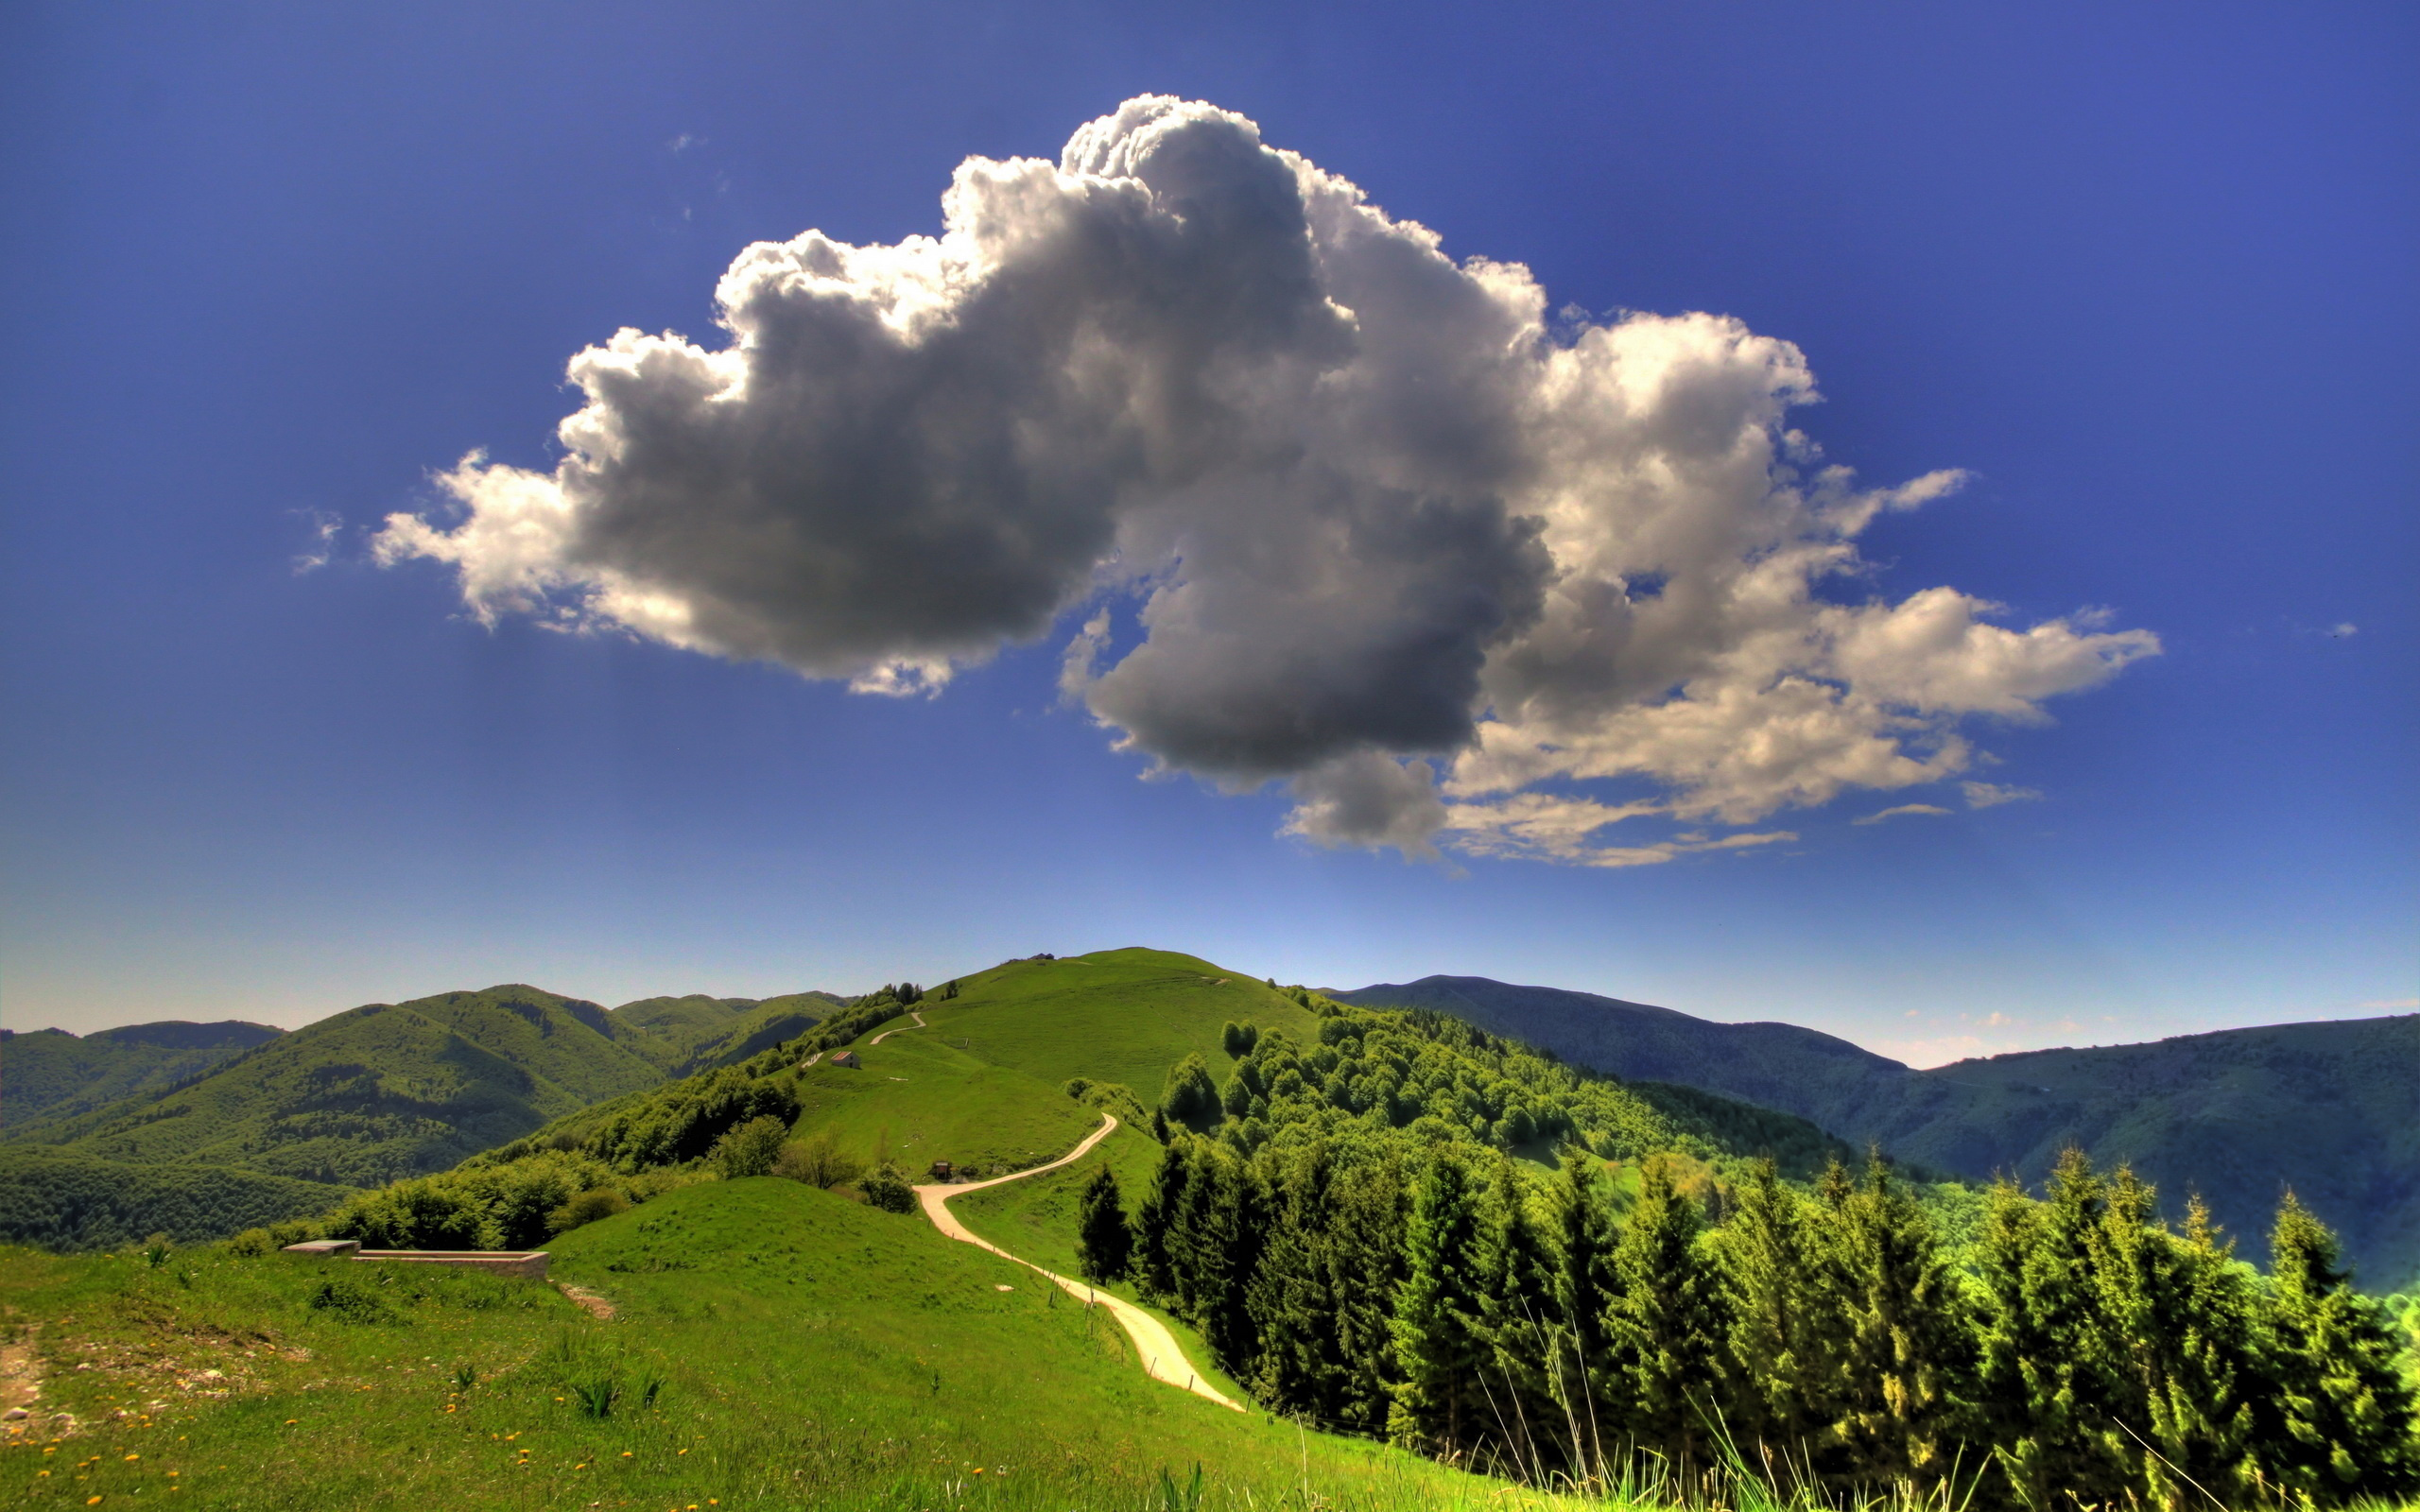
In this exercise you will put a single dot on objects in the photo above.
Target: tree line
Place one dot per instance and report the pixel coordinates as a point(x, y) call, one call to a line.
point(1413, 1280)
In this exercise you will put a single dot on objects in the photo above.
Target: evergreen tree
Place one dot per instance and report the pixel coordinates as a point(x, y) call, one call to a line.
point(1584, 1287)
point(1103, 1243)
point(1515, 1311)
point(1440, 1347)
point(1154, 1264)
point(2343, 1415)
point(2187, 1334)
point(1364, 1257)
point(1667, 1325)
point(1293, 1307)
point(1786, 1329)
point(2043, 1373)
point(1904, 1345)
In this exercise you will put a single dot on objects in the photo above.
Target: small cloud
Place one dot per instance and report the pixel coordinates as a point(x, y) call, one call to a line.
point(2392, 1005)
point(324, 528)
point(1909, 1014)
point(684, 142)
point(1907, 808)
point(2344, 632)
point(1992, 794)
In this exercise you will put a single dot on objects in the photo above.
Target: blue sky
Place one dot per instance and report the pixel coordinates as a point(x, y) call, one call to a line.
point(2143, 272)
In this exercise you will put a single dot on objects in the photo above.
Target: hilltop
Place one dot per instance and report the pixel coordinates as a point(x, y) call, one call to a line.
point(52, 1074)
point(2331, 1111)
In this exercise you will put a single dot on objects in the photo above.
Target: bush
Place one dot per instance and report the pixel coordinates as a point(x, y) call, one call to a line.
point(751, 1148)
point(599, 1202)
point(887, 1189)
point(1190, 1092)
point(819, 1162)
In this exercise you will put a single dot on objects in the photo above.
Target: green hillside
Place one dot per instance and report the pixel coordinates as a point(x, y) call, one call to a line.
point(664, 1028)
point(378, 1092)
point(51, 1074)
point(2329, 1110)
point(772, 1346)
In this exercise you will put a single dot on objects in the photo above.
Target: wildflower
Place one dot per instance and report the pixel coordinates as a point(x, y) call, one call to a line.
point(625, 1454)
point(133, 1456)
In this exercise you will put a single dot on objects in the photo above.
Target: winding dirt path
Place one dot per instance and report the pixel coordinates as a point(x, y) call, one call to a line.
point(920, 1024)
point(1163, 1359)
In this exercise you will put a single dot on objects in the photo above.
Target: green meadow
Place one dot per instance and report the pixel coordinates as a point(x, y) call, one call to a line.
point(772, 1345)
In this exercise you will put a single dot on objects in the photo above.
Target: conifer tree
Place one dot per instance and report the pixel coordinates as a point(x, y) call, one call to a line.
point(1784, 1324)
point(1584, 1287)
point(2043, 1370)
point(1292, 1305)
point(1364, 1257)
point(1440, 1404)
point(1103, 1243)
point(2343, 1423)
point(1154, 1264)
point(1517, 1309)
point(1667, 1325)
point(1904, 1345)
point(2184, 1321)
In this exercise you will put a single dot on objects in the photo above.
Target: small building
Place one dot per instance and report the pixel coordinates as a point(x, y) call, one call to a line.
point(848, 1059)
point(942, 1170)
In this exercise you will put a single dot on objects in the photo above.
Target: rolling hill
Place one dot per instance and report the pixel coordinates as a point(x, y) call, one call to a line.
point(376, 1092)
point(51, 1073)
point(2331, 1111)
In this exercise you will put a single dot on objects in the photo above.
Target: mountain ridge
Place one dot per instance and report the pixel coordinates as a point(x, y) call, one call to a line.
point(2329, 1110)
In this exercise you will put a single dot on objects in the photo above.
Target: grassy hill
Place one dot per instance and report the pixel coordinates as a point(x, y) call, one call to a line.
point(2331, 1111)
point(375, 1093)
point(699, 1033)
point(52, 1074)
point(772, 1345)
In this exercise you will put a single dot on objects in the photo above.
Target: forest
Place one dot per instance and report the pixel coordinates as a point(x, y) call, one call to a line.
point(1408, 1277)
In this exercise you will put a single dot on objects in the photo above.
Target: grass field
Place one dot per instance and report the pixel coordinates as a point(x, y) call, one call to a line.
point(1122, 1016)
point(917, 1099)
point(799, 1349)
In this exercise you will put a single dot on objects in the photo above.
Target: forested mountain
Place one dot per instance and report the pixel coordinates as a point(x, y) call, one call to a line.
point(379, 1091)
point(2331, 1111)
point(51, 1073)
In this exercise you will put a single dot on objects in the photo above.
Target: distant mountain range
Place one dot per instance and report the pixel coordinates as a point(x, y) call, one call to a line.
point(52, 1074)
point(2331, 1109)
point(241, 1121)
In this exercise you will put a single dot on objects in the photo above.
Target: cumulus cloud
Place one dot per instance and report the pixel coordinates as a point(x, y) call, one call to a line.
point(1902, 810)
point(1385, 531)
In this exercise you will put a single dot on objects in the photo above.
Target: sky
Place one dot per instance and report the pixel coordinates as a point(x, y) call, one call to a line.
point(1896, 519)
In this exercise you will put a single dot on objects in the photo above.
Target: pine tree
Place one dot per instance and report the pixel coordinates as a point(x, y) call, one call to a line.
point(1515, 1311)
point(1154, 1221)
point(2343, 1425)
point(1786, 1329)
point(1293, 1307)
point(2043, 1370)
point(1439, 1406)
point(1905, 1347)
point(1584, 1286)
point(1364, 1257)
point(1103, 1243)
point(2195, 1355)
point(1667, 1325)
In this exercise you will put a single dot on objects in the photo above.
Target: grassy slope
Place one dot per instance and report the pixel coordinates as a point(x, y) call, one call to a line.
point(378, 1092)
point(917, 1099)
point(815, 1353)
point(663, 1029)
point(53, 1075)
point(1124, 1015)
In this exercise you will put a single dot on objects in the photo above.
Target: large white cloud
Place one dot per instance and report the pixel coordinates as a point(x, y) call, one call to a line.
point(1386, 534)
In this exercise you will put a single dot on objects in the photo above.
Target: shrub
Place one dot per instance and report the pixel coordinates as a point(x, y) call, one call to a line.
point(751, 1148)
point(1190, 1092)
point(599, 1202)
point(887, 1189)
point(251, 1243)
point(819, 1162)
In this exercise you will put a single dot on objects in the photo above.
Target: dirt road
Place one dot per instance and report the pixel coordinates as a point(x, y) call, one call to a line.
point(1162, 1358)
point(887, 1033)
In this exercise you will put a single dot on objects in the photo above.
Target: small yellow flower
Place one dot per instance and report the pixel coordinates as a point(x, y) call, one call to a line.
point(133, 1456)
point(625, 1454)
